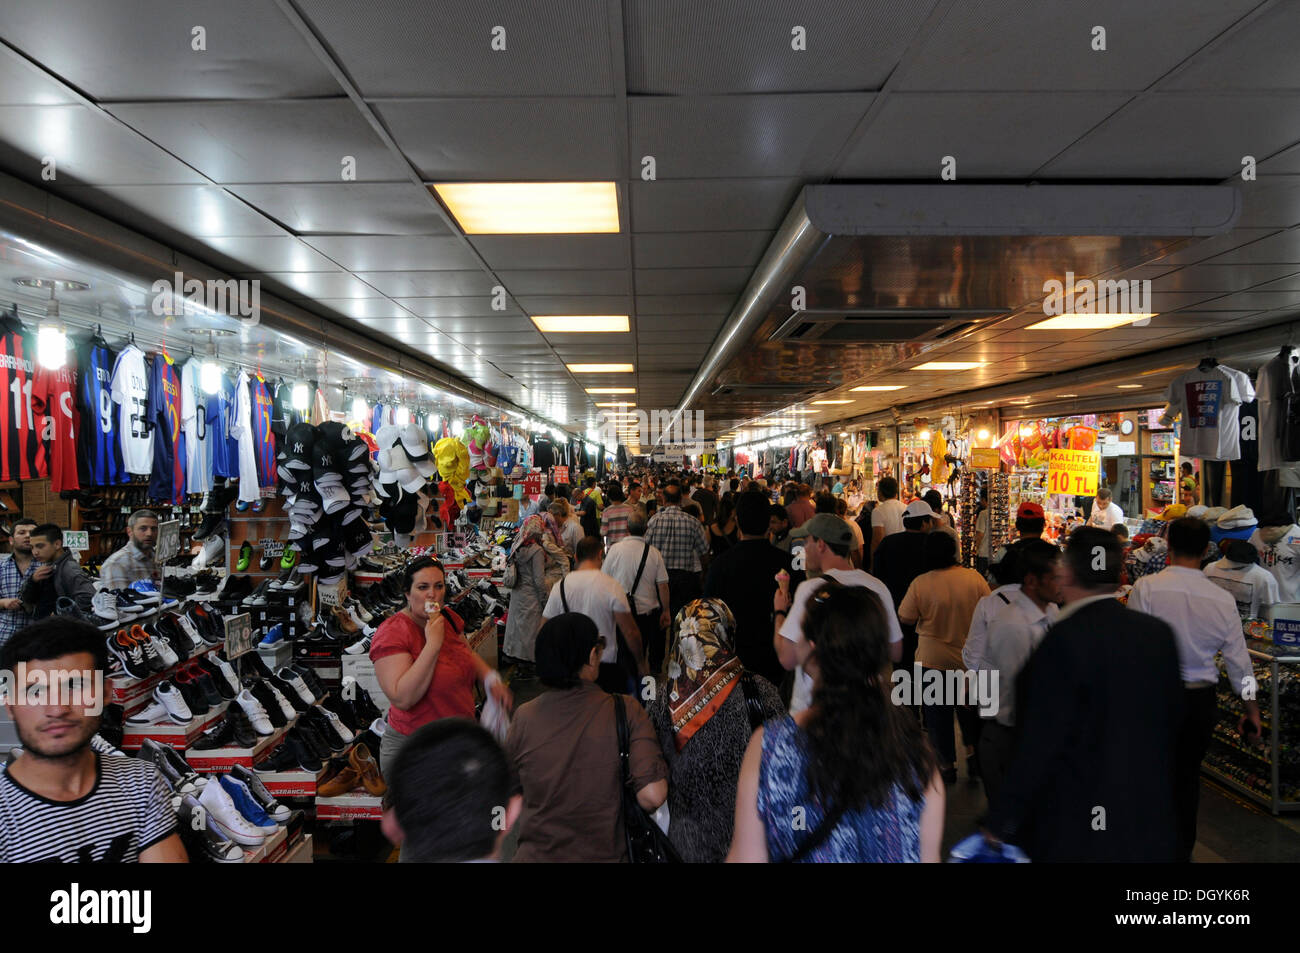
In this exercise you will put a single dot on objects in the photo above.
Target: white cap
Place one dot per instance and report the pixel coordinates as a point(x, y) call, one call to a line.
point(919, 508)
point(334, 497)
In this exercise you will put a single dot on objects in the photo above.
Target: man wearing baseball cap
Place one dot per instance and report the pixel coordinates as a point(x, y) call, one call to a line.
point(1030, 521)
point(826, 551)
point(901, 558)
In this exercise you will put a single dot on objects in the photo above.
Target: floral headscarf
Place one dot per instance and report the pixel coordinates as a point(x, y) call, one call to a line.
point(534, 528)
point(702, 668)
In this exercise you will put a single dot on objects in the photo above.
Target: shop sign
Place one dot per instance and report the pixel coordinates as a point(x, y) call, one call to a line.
point(1286, 624)
point(985, 458)
point(169, 540)
point(239, 635)
point(559, 476)
point(1073, 472)
point(533, 484)
point(78, 540)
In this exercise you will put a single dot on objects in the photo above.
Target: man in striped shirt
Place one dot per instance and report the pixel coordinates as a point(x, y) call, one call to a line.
point(61, 800)
point(613, 522)
point(681, 541)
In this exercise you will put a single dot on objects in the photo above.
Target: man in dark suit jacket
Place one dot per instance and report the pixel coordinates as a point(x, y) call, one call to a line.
point(1098, 706)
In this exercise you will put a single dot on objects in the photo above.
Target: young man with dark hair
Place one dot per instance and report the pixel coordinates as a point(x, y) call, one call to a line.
point(778, 528)
point(1100, 667)
point(59, 576)
point(596, 595)
point(1014, 632)
point(744, 577)
point(449, 795)
point(613, 522)
point(15, 569)
point(61, 800)
point(887, 517)
point(1105, 513)
point(1205, 623)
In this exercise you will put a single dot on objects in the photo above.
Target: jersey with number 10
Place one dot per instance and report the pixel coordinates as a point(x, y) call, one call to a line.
point(101, 455)
point(22, 456)
point(164, 412)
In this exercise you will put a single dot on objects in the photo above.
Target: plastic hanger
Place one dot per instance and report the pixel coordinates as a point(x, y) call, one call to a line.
point(1207, 364)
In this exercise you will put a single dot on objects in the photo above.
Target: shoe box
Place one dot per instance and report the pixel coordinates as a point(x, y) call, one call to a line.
point(221, 760)
point(355, 805)
point(134, 693)
point(292, 783)
point(168, 732)
point(360, 668)
point(273, 850)
point(277, 654)
point(300, 853)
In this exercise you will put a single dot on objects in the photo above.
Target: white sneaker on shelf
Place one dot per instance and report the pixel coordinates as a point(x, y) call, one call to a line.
point(360, 647)
point(257, 716)
point(165, 651)
point(171, 699)
point(294, 681)
point(214, 547)
point(344, 731)
point(227, 670)
point(225, 817)
point(151, 714)
point(289, 711)
point(104, 604)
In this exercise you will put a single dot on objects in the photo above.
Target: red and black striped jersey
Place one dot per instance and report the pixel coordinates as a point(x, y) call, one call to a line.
point(22, 455)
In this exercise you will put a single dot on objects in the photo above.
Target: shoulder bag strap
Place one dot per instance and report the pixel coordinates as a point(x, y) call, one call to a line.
point(631, 596)
point(563, 601)
point(624, 743)
point(817, 837)
point(752, 703)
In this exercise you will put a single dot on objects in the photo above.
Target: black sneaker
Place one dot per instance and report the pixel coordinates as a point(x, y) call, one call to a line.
point(245, 736)
point(288, 692)
point(258, 596)
point(263, 694)
point(309, 676)
point(281, 759)
point(237, 587)
point(212, 522)
point(208, 686)
point(254, 661)
point(365, 705)
point(344, 710)
point(267, 561)
point(304, 754)
point(314, 742)
point(179, 587)
point(322, 726)
point(222, 735)
point(217, 677)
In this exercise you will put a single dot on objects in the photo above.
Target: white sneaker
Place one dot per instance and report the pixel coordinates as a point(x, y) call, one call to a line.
point(153, 713)
point(225, 818)
point(190, 631)
point(294, 681)
point(359, 648)
point(214, 547)
point(165, 651)
point(257, 716)
point(289, 711)
point(171, 699)
point(365, 629)
point(360, 613)
point(104, 604)
point(344, 731)
point(227, 670)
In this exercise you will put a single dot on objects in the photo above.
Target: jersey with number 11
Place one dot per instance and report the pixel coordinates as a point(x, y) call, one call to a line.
point(22, 456)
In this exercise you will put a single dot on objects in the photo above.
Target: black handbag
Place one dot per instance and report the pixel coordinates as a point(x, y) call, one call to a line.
point(752, 704)
point(646, 843)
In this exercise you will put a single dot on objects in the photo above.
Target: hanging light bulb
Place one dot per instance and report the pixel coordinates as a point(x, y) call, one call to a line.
point(403, 416)
point(210, 377)
point(983, 435)
point(435, 422)
point(51, 346)
point(359, 409)
point(300, 401)
point(457, 427)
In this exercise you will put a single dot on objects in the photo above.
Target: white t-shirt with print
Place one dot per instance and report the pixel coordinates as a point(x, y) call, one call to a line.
point(130, 390)
point(1208, 402)
point(1282, 559)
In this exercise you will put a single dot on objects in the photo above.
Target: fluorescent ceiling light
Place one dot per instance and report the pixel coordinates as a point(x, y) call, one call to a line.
point(51, 346)
point(611, 390)
point(1067, 395)
point(580, 323)
point(616, 403)
point(531, 208)
point(817, 403)
point(877, 387)
point(301, 400)
point(600, 368)
point(948, 365)
point(1087, 322)
point(1129, 386)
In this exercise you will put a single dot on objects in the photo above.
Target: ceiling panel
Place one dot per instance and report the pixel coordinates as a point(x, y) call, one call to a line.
point(494, 323)
point(1261, 55)
point(1282, 248)
point(990, 135)
point(328, 285)
point(741, 136)
point(1271, 200)
point(394, 325)
point(609, 281)
point(654, 305)
point(982, 44)
point(699, 249)
point(1286, 161)
point(248, 142)
point(87, 148)
point(488, 139)
point(682, 47)
point(365, 208)
point(1210, 248)
point(202, 211)
point(397, 48)
point(23, 85)
point(395, 253)
point(530, 252)
point(252, 51)
point(672, 281)
point(1164, 136)
point(358, 308)
point(272, 254)
point(463, 307)
point(575, 304)
point(661, 327)
point(428, 284)
point(1221, 278)
point(1257, 301)
point(701, 205)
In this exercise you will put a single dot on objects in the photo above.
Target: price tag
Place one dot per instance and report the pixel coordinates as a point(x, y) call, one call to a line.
point(239, 635)
point(127, 510)
point(560, 475)
point(533, 484)
point(76, 539)
point(330, 595)
point(266, 492)
point(1072, 472)
point(271, 547)
point(169, 540)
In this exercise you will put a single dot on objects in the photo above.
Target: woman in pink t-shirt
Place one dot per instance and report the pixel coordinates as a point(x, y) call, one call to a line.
point(424, 665)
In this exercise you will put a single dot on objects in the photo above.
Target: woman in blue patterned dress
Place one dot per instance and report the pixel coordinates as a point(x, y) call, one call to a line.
point(851, 778)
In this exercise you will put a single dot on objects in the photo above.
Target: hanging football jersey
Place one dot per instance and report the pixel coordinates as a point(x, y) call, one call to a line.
point(263, 414)
point(242, 430)
point(220, 412)
point(53, 394)
point(22, 457)
point(167, 480)
point(100, 456)
point(130, 389)
point(194, 424)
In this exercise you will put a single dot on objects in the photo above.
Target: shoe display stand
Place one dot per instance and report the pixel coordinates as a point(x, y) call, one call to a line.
point(300, 853)
point(354, 806)
point(221, 760)
point(119, 502)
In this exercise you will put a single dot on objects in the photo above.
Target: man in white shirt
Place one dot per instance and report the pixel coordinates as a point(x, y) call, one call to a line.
point(1026, 611)
point(1239, 574)
point(1105, 513)
point(1205, 622)
point(887, 517)
point(828, 539)
point(1005, 570)
point(589, 591)
point(650, 591)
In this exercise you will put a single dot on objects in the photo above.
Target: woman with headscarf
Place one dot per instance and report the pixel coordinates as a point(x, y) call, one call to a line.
point(539, 560)
point(701, 713)
point(563, 752)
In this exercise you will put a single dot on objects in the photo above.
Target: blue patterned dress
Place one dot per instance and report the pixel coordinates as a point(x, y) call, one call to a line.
point(891, 834)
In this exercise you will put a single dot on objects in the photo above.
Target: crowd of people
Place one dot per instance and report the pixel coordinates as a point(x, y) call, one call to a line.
point(737, 661)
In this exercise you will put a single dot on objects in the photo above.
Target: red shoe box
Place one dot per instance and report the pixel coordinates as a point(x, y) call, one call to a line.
point(275, 845)
point(221, 760)
point(355, 805)
point(135, 693)
point(292, 783)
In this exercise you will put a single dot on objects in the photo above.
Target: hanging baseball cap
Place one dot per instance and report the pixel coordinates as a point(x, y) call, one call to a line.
point(334, 497)
point(1030, 511)
point(415, 442)
point(829, 529)
point(341, 436)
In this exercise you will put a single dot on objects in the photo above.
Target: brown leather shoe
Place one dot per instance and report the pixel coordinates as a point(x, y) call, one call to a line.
point(345, 621)
point(345, 781)
point(363, 763)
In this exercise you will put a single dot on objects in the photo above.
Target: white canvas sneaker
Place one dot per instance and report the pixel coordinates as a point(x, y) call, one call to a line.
point(225, 817)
